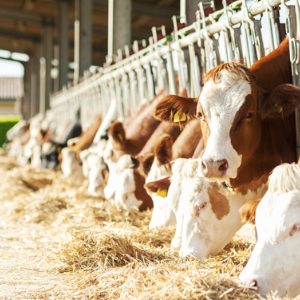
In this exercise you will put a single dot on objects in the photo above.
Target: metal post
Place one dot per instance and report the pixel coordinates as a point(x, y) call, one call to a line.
point(119, 25)
point(36, 84)
point(46, 66)
point(191, 8)
point(25, 105)
point(63, 42)
point(42, 85)
point(83, 37)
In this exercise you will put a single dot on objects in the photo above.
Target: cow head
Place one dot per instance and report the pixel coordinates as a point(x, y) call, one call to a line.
point(272, 265)
point(206, 209)
point(161, 166)
point(231, 107)
point(162, 214)
point(70, 165)
point(97, 175)
point(130, 183)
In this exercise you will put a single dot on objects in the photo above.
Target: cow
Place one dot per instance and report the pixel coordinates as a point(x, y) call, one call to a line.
point(52, 149)
point(203, 209)
point(247, 121)
point(129, 140)
point(70, 164)
point(166, 152)
point(273, 265)
point(128, 163)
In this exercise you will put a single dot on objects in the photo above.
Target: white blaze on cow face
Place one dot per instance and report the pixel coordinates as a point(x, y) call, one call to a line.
point(174, 195)
point(96, 175)
point(274, 263)
point(110, 189)
point(70, 166)
point(125, 193)
point(220, 102)
point(162, 214)
point(85, 165)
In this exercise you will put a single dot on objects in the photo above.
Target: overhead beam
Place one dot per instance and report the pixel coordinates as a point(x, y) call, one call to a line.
point(35, 18)
point(37, 38)
point(15, 49)
point(25, 16)
point(144, 9)
point(18, 35)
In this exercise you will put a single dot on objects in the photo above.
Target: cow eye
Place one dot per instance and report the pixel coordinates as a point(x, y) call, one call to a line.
point(295, 229)
point(200, 207)
point(200, 114)
point(250, 115)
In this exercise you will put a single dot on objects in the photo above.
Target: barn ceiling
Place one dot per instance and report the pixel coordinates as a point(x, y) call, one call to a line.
point(21, 23)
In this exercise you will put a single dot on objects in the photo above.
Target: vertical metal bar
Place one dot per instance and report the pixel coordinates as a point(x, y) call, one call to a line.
point(63, 42)
point(171, 73)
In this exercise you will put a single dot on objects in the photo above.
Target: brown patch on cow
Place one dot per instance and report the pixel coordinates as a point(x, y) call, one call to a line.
point(117, 134)
point(105, 174)
point(236, 69)
point(140, 192)
point(146, 162)
point(162, 184)
point(170, 105)
point(185, 145)
point(163, 149)
point(248, 211)
point(199, 149)
point(219, 203)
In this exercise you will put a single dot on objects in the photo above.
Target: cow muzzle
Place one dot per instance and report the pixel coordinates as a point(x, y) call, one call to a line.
point(214, 168)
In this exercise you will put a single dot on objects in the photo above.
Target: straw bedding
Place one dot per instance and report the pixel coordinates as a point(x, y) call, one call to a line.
point(107, 251)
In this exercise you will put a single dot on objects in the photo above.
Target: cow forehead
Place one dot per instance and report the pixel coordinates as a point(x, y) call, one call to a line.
point(224, 97)
point(277, 212)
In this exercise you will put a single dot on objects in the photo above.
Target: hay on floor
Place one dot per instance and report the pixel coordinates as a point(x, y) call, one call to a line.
point(107, 251)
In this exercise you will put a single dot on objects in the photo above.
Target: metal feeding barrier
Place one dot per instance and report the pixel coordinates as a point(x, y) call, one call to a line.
point(179, 61)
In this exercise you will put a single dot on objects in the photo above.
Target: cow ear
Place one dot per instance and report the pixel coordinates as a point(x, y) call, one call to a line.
point(176, 109)
point(281, 102)
point(163, 149)
point(248, 210)
point(160, 187)
point(117, 135)
point(146, 163)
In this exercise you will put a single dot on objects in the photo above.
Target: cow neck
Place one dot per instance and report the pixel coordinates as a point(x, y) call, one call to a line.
point(273, 69)
point(164, 127)
point(142, 126)
point(188, 140)
point(277, 144)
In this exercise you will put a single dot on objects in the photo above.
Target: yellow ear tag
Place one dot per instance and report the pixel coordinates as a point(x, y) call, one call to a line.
point(278, 108)
point(162, 193)
point(120, 137)
point(179, 118)
point(230, 189)
point(58, 149)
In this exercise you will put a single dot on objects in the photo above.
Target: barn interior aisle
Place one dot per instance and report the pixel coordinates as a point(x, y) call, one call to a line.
point(58, 242)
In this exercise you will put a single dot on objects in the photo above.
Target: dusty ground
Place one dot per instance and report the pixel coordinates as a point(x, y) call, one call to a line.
point(21, 250)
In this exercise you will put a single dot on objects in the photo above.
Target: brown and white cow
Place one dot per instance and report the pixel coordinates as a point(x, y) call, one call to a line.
point(166, 152)
point(246, 119)
point(129, 140)
point(136, 177)
point(248, 128)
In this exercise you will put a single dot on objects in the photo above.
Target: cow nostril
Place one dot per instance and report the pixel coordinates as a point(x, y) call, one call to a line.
point(253, 283)
point(203, 165)
point(223, 166)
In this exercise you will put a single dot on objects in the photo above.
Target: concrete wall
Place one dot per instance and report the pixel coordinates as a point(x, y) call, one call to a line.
point(9, 108)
